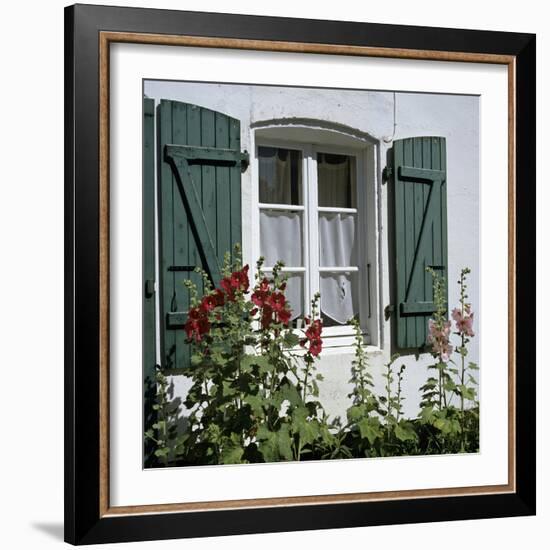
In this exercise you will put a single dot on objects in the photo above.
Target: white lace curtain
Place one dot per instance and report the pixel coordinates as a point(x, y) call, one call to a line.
point(338, 248)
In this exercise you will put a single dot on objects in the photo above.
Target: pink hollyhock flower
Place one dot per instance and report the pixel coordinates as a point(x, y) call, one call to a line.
point(438, 337)
point(464, 322)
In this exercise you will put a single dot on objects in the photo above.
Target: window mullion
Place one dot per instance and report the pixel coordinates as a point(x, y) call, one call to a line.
point(313, 216)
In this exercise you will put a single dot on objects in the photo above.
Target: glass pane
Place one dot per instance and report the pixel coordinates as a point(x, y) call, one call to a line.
point(294, 293)
point(280, 174)
point(337, 240)
point(281, 237)
point(339, 297)
point(337, 180)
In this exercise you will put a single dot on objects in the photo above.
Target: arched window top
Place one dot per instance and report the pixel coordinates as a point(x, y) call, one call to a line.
point(314, 131)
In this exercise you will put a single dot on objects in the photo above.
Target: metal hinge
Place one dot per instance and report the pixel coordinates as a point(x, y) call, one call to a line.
point(387, 174)
point(388, 310)
point(149, 288)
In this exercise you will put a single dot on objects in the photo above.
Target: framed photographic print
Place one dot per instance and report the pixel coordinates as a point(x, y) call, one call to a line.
point(299, 274)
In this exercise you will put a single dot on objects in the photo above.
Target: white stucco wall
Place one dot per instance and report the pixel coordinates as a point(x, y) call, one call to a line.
point(454, 117)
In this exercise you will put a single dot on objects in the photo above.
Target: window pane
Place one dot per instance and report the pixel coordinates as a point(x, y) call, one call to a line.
point(337, 240)
point(339, 297)
point(280, 172)
point(294, 293)
point(336, 175)
point(281, 237)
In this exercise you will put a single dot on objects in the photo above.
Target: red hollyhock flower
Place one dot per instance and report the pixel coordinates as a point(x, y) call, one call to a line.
point(241, 280)
point(313, 337)
point(267, 317)
point(261, 293)
point(219, 297)
point(259, 297)
point(190, 328)
point(276, 301)
point(264, 285)
point(228, 288)
point(203, 325)
point(284, 316)
point(194, 313)
point(197, 324)
point(314, 330)
point(208, 303)
point(315, 347)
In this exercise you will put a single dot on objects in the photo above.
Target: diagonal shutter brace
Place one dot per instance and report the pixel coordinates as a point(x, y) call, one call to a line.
point(207, 155)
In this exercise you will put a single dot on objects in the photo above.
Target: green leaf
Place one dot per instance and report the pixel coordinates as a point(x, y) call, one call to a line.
point(466, 392)
point(369, 428)
point(196, 359)
point(355, 413)
point(307, 430)
point(289, 392)
point(404, 431)
point(274, 446)
point(255, 402)
point(290, 339)
point(261, 361)
point(231, 454)
point(426, 415)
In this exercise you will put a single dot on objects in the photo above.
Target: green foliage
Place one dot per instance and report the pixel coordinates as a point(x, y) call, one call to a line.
point(254, 394)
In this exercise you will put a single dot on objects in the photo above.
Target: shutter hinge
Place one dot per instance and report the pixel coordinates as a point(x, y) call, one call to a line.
point(388, 310)
point(387, 174)
point(149, 288)
point(245, 160)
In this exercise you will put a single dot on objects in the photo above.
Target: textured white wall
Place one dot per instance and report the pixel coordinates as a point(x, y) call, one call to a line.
point(452, 116)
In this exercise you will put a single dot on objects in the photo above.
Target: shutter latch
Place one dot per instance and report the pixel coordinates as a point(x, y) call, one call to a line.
point(388, 310)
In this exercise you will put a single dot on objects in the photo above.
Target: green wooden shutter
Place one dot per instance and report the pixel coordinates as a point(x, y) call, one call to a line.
point(420, 232)
point(200, 163)
point(148, 259)
point(148, 241)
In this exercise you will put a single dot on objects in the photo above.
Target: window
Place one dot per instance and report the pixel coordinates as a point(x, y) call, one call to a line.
point(312, 216)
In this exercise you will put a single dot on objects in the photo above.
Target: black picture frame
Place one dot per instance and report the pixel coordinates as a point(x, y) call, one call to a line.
point(84, 521)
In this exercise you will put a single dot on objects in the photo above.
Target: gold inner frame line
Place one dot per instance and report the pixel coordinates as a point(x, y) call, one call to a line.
point(105, 39)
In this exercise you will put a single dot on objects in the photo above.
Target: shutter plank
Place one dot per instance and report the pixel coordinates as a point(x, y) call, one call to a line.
point(400, 265)
point(208, 173)
point(429, 259)
point(418, 217)
point(235, 184)
point(410, 242)
point(148, 241)
point(194, 133)
point(183, 241)
point(223, 212)
point(166, 233)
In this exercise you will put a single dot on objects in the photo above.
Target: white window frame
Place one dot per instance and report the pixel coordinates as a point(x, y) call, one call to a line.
point(365, 154)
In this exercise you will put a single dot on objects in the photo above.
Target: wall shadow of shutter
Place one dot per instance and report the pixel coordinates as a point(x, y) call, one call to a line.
point(199, 205)
point(420, 233)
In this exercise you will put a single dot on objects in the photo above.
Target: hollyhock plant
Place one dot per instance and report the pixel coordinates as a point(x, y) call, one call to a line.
point(244, 364)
